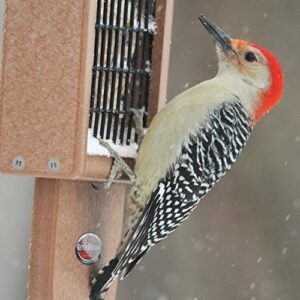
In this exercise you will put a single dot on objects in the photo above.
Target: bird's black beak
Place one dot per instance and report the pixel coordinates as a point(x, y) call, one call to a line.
point(221, 37)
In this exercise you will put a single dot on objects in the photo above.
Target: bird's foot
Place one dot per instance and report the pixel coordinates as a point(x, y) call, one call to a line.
point(119, 166)
point(138, 115)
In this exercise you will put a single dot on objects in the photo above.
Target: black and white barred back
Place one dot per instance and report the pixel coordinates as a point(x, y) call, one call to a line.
point(205, 158)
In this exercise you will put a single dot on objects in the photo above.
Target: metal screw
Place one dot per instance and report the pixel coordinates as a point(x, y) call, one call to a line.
point(88, 248)
point(18, 163)
point(53, 165)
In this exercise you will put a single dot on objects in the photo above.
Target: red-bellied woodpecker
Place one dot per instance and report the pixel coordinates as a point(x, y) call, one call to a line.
point(190, 145)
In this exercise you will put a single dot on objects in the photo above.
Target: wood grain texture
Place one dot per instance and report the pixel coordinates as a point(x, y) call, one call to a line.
point(45, 84)
point(62, 211)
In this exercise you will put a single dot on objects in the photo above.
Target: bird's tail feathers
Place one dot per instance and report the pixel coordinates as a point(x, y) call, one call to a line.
point(104, 280)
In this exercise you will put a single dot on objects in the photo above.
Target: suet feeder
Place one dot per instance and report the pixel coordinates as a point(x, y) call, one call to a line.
point(71, 72)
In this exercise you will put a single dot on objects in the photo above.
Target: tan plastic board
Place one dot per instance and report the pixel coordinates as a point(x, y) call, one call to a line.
point(45, 85)
point(62, 211)
point(161, 56)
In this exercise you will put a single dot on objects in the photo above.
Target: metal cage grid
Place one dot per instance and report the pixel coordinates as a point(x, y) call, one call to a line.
point(121, 67)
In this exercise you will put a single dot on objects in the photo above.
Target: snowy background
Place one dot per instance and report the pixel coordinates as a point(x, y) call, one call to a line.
point(242, 242)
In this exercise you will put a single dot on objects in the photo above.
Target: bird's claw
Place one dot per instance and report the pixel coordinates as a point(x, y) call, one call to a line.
point(138, 115)
point(118, 166)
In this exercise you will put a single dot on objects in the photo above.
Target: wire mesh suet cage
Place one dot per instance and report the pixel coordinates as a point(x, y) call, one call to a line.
point(121, 67)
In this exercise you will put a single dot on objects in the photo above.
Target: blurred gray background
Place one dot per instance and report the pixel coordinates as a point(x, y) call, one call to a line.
point(242, 242)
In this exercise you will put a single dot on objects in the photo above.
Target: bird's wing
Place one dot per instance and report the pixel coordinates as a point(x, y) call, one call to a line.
point(205, 158)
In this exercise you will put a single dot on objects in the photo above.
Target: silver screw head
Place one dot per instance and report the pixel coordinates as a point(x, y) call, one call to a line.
point(88, 248)
point(53, 165)
point(18, 163)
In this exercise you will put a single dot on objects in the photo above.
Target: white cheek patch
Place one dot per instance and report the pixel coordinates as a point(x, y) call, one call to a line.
point(259, 84)
point(247, 80)
point(261, 80)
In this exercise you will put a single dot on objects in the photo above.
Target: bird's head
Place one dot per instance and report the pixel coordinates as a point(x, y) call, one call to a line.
point(252, 64)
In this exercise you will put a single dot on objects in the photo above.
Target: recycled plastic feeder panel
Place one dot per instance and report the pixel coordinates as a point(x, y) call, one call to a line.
point(45, 85)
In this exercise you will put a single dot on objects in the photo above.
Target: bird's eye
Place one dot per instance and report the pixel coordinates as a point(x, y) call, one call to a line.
point(250, 56)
